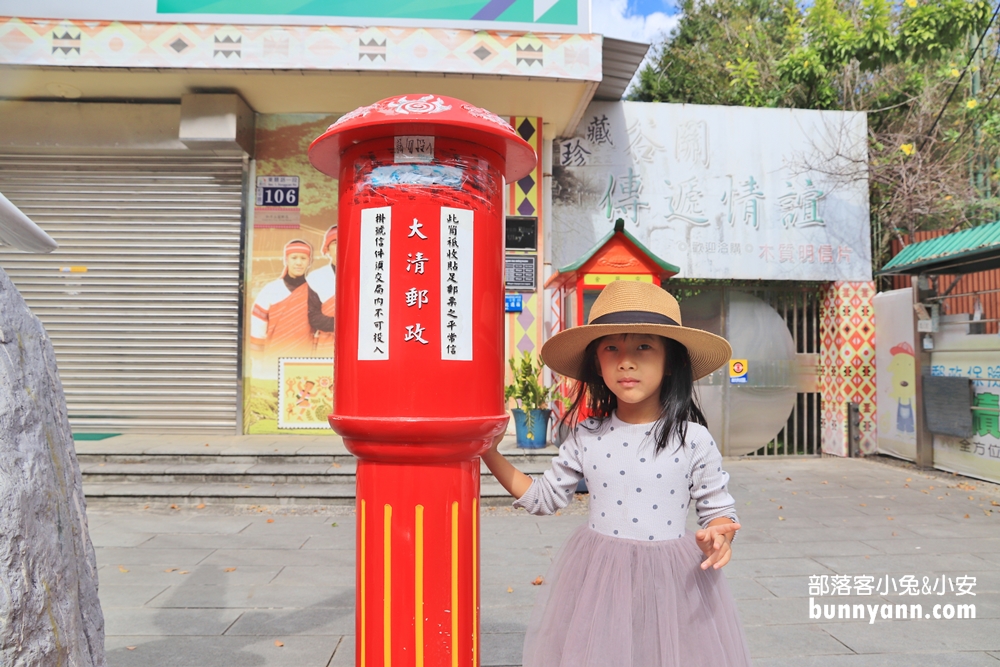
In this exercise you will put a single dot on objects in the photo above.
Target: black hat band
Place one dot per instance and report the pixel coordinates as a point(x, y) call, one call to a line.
point(635, 317)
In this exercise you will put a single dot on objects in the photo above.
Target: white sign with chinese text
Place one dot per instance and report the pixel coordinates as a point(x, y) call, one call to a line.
point(413, 149)
point(373, 284)
point(456, 283)
point(722, 192)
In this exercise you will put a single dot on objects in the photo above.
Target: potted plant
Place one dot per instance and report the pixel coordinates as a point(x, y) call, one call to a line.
point(531, 416)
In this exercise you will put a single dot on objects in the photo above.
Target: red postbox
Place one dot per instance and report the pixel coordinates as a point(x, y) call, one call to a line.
point(418, 382)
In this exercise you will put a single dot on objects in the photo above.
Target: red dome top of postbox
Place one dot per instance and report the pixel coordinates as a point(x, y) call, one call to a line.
point(430, 115)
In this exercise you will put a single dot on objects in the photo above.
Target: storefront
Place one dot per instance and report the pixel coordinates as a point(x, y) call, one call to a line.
point(165, 150)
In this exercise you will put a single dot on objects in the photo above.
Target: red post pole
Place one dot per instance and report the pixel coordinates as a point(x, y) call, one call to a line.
point(419, 360)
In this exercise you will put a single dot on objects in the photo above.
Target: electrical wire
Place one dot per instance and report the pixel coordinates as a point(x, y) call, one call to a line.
point(960, 77)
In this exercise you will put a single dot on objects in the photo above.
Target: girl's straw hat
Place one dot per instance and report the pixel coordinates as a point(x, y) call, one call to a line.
point(634, 307)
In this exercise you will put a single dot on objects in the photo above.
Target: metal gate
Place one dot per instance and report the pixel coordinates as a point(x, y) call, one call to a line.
point(800, 308)
point(142, 298)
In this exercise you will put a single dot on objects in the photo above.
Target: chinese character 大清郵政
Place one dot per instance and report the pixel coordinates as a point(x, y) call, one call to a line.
point(415, 230)
point(416, 262)
point(415, 332)
point(415, 297)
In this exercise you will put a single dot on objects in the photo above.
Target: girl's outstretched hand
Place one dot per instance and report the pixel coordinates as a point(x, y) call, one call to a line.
point(713, 541)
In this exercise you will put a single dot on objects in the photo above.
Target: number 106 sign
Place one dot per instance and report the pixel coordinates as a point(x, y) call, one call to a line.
point(277, 191)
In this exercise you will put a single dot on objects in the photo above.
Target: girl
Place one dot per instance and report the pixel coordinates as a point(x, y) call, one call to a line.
point(631, 587)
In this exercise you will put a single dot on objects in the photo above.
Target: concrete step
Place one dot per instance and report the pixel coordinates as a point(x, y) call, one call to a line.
point(244, 469)
point(218, 493)
point(244, 473)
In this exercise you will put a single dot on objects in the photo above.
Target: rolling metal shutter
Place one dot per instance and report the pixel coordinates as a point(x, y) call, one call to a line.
point(147, 339)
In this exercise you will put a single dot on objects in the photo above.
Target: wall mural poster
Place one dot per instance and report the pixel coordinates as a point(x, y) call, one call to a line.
point(288, 345)
point(896, 380)
point(723, 192)
point(979, 454)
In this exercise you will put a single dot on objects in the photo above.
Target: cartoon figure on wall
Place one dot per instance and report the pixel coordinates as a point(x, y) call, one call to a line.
point(903, 389)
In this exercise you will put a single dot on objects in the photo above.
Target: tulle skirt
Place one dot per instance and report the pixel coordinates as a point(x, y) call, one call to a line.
point(610, 602)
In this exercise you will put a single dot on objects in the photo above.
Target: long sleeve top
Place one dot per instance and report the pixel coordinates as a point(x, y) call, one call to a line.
point(635, 493)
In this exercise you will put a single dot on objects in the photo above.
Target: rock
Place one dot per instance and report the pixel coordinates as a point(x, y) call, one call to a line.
point(49, 610)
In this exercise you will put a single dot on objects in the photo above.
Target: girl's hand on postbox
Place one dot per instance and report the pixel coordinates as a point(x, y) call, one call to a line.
point(500, 436)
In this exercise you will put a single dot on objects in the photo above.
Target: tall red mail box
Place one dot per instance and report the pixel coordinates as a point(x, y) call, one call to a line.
point(418, 382)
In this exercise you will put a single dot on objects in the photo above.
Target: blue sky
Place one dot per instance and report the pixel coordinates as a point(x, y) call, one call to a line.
point(647, 7)
point(636, 20)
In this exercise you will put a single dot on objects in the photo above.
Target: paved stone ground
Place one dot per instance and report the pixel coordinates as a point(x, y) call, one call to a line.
point(219, 586)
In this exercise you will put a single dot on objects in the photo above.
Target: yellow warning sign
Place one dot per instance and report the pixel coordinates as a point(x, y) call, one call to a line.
point(737, 371)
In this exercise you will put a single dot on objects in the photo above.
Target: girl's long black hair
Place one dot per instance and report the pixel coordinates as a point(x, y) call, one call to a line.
point(678, 401)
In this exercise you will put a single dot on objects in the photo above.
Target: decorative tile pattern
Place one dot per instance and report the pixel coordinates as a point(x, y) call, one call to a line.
point(526, 335)
point(46, 43)
point(847, 364)
point(525, 199)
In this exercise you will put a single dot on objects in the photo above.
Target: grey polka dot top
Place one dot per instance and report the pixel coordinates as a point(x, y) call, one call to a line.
point(635, 493)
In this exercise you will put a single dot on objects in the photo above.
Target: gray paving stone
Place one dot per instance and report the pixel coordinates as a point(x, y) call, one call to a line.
point(901, 563)
point(129, 596)
point(785, 587)
point(297, 651)
point(166, 557)
point(295, 576)
point(176, 522)
point(898, 636)
point(747, 588)
point(745, 567)
point(950, 659)
point(245, 575)
point(109, 536)
point(800, 640)
point(344, 655)
point(501, 649)
point(505, 619)
point(228, 541)
point(315, 575)
point(933, 545)
point(230, 557)
point(168, 622)
point(287, 622)
point(268, 596)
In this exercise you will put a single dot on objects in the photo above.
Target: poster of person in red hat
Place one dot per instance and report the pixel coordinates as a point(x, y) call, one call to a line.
point(287, 316)
point(323, 282)
point(291, 279)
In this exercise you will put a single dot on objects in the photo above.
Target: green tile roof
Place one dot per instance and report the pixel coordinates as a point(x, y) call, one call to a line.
point(620, 227)
point(967, 251)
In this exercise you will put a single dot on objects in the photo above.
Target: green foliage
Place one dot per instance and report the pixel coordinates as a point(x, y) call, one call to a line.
point(527, 388)
point(775, 53)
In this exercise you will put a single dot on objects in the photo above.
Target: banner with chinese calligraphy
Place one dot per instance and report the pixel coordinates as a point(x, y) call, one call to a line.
point(722, 192)
point(290, 282)
point(979, 454)
point(896, 378)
